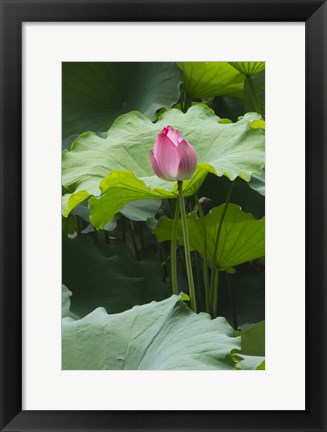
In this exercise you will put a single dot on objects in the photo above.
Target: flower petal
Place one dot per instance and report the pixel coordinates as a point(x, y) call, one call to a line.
point(167, 157)
point(155, 166)
point(188, 160)
point(173, 135)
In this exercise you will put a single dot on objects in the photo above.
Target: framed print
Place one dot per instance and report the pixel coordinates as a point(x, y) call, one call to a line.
point(163, 215)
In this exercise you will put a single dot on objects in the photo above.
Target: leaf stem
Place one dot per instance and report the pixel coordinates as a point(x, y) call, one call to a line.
point(197, 266)
point(215, 293)
point(256, 102)
point(173, 250)
point(132, 232)
point(215, 269)
point(233, 305)
point(140, 225)
point(205, 259)
point(186, 101)
point(187, 247)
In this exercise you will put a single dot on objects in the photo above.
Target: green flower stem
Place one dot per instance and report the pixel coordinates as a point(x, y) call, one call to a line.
point(195, 258)
point(215, 293)
point(205, 259)
point(187, 246)
point(215, 270)
point(173, 251)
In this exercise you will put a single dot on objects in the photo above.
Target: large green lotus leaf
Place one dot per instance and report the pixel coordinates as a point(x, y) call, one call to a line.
point(105, 275)
point(95, 93)
point(249, 68)
point(242, 236)
point(156, 336)
point(208, 79)
point(118, 166)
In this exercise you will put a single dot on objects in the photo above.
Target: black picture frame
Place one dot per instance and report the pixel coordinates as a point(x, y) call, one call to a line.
point(13, 14)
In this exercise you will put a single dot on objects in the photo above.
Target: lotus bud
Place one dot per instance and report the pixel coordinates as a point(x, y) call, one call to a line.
point(173, 158)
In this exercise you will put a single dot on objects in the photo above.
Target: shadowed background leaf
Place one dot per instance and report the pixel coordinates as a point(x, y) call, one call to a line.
point(106, 275)
point(94, 94)
point(205, 79)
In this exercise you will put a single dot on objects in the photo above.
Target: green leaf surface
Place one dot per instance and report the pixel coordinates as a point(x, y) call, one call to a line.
point(95, 93)
point(65, 301)
point(258, 183)
point(242, 236)
point(254, 93)
point(248, 68)
point(105, 275)
point(262, 366)
point(244, 362)
point(141, 210)
point(258, 124)
point(216, 189)
point(253, 340)
point(252, 353)
point(228, 106)
point(68, 224)
point(208, 79)
point(118, 166)
point(156, 336)
point(246, 289)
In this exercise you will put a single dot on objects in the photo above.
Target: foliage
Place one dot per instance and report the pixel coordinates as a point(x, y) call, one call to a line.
point(252, 353)
point(118, 166)
point(241, 240)
point(95, 94)
point(165, 335)
point(106, 275)
point(123, 255)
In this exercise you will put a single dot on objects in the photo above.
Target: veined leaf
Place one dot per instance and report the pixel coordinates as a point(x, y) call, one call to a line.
point(249, 68)
point(95, 93)
point(141, 210)
point(242, 236)
point(156, 336)
point(118, 166)
point(207, 79)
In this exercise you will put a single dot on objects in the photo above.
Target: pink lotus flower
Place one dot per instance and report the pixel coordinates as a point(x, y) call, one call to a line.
point(173, 157)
